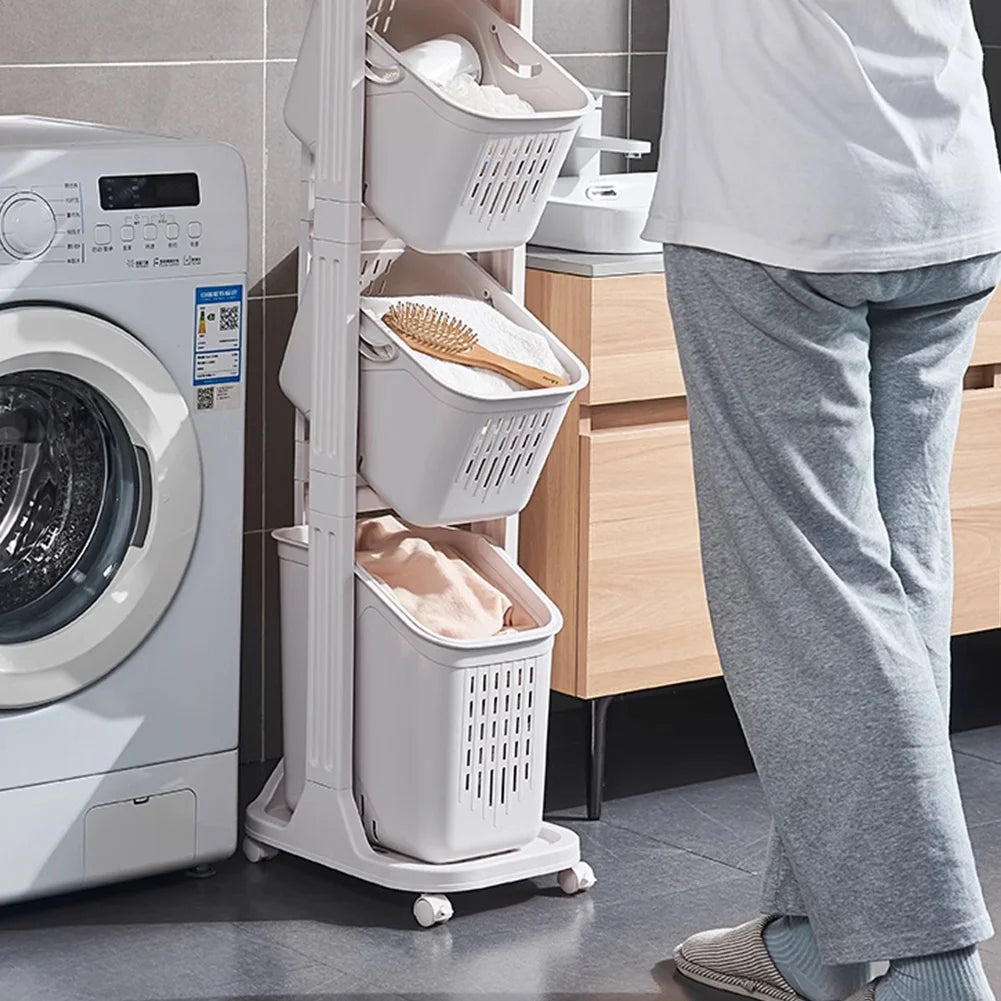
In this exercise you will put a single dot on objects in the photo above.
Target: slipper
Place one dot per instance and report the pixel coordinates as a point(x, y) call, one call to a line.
point(736, 960)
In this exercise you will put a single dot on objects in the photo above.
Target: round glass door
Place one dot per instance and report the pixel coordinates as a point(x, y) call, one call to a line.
point(100, 499)
point(71, 492)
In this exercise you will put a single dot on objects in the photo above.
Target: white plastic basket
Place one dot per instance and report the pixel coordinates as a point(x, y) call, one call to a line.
point(436, 455)
point(450, 736)
point(442, 177)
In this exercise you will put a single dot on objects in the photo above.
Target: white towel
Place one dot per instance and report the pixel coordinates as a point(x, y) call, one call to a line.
point(485, 98)
point(495, 332)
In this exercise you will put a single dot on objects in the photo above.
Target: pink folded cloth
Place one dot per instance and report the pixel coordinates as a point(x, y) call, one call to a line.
point(434, 584)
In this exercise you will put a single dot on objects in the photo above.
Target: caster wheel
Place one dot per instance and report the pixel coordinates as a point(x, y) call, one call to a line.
point(432, 909)
point(577, 879)
point(255, 852)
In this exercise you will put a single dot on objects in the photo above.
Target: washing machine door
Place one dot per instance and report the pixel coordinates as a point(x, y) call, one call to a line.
point(100, 497)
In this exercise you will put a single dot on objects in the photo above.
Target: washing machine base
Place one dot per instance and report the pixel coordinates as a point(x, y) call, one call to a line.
point(103, 828)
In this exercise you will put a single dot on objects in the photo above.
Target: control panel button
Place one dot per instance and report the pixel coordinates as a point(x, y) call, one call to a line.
point(172, 230)
point(194, 230)
point(102, 234)
point(150, 232)
point(128, 234)
point(27, 225)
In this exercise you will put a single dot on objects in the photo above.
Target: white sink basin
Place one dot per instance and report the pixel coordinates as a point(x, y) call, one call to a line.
point(603, 215)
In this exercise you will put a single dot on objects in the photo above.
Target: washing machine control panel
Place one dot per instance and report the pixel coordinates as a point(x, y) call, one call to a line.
point(118, 213)
point(151, 240)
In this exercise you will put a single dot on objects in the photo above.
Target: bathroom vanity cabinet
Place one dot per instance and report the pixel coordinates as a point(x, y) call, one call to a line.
point(611, 533)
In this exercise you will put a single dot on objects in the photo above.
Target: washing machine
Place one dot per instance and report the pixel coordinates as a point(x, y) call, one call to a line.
point(123, 263)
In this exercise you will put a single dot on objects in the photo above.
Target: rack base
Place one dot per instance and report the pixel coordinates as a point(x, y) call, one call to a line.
point(325, 828)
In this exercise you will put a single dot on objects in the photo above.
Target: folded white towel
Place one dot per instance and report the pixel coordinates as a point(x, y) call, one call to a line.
point(495, 332)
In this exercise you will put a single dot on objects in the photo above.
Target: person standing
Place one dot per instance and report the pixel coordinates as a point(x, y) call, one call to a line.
point(829, 199)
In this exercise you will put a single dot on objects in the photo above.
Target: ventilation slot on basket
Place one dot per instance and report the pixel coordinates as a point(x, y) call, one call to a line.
point(496, 754)
point(379, 14)
point(509, 176)
point(505, 450)
point(374, 266)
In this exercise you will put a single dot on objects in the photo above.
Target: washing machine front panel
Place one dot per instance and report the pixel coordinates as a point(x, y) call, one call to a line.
point(175, 696)
point(100, 504)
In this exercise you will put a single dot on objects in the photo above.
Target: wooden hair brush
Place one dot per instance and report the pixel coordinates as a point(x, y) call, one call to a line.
point(434, 332)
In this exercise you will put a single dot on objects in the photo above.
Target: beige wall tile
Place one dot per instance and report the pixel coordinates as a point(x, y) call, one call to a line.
point(73, 31)
point(222, 102)
point(281, 205)
point(286, 23)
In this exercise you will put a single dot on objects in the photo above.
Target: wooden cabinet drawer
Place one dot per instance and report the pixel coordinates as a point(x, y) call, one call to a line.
point(644, 619)
point(633, 353)
point(976, 513)
point(621, 329)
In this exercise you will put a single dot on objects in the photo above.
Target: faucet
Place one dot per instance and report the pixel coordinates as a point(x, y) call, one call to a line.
point(584, 158)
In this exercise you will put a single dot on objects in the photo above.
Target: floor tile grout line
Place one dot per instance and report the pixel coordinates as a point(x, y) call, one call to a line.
point(977, 757)
point(249, 926)
point(680, 848)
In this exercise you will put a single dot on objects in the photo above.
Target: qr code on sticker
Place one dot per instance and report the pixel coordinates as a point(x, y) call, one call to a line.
point(206, 398)
point(229, 317)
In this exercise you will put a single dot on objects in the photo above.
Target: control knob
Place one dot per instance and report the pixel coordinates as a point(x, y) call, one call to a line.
point(27, 225)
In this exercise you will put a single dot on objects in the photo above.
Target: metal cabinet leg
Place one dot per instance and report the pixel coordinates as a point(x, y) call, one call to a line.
point(597, 729)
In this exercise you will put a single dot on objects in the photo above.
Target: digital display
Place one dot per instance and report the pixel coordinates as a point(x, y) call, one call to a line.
point(149, 191)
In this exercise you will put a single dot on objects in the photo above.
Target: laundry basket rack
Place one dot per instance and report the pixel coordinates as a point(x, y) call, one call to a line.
point(346, 91)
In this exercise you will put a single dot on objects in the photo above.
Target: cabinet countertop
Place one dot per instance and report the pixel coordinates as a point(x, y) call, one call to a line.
point(569, 262)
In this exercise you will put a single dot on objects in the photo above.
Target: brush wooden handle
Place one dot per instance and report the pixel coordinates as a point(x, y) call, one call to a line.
point(527, 375)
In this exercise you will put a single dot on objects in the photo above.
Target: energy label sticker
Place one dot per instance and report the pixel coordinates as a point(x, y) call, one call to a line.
point(218, 346)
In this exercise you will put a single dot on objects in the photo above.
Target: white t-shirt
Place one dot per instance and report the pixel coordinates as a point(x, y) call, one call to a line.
point(828, 135)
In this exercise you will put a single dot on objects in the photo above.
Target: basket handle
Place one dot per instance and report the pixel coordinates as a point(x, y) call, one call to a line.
point(517, 54)
point(377, 352)
point(383, 75)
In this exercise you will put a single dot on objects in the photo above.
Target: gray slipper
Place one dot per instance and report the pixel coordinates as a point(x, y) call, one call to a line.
point(736, 960)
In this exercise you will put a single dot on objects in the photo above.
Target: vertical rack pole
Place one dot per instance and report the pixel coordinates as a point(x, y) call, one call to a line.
point(334, 267)
point(508, 267)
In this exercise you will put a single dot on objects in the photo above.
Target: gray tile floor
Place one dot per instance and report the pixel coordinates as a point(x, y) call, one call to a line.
point(669, 863)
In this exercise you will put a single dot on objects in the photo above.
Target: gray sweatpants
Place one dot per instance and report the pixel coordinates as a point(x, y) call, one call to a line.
point(824, 410)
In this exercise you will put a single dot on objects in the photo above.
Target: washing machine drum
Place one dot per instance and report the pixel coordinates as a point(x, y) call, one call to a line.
point(70, 493)
point(100, 499)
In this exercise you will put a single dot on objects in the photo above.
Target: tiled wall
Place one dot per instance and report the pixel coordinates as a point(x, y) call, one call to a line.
point(615, 45)
point(215, 69)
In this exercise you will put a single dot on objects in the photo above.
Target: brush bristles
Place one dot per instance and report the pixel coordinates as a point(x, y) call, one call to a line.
point(431, 327)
